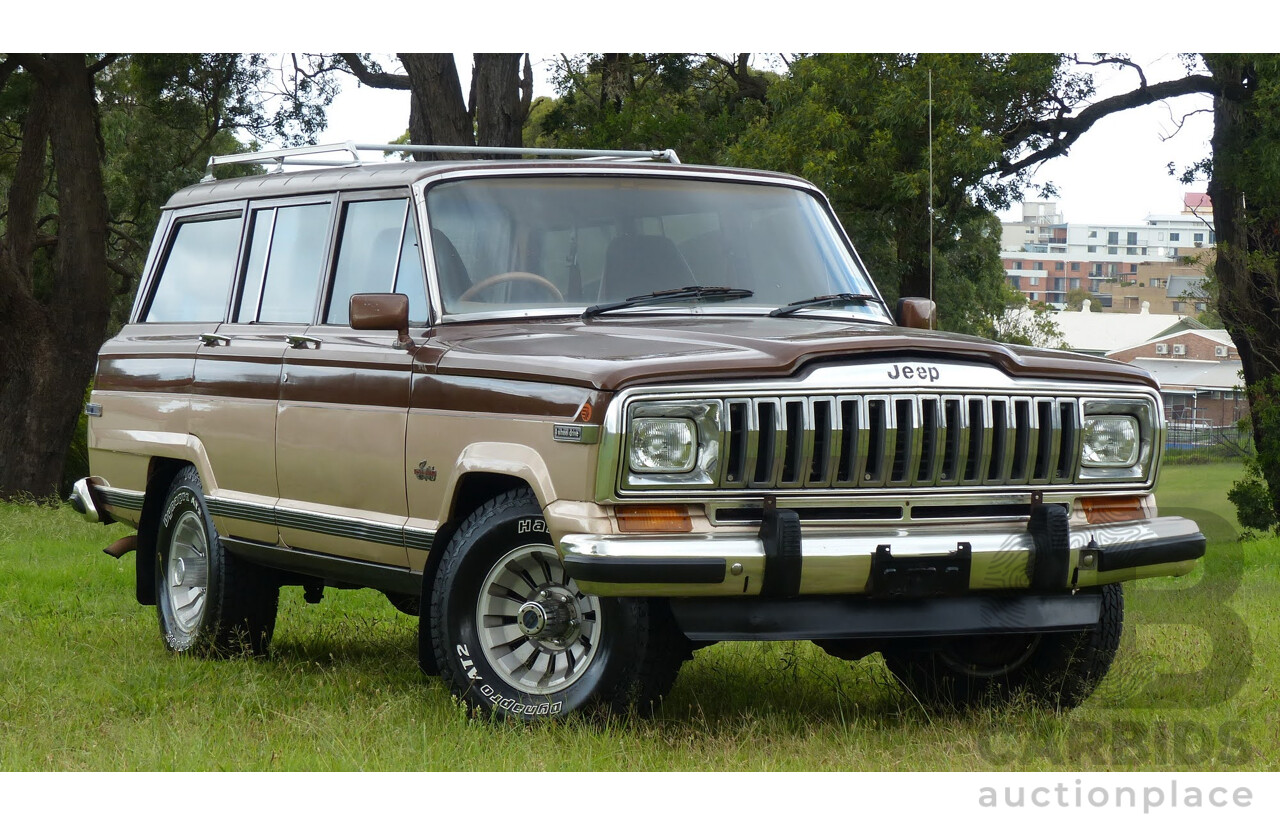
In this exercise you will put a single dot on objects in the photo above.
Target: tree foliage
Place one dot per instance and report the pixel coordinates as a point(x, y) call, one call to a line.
point(696, 104)
point(859, 126)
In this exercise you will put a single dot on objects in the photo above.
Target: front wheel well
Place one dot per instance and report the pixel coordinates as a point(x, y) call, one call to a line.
point(472, 492)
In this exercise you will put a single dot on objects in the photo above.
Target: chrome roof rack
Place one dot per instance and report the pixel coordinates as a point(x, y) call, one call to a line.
point(305, 155)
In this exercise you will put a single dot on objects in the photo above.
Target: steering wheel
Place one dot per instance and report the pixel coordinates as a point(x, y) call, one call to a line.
point(505, 277)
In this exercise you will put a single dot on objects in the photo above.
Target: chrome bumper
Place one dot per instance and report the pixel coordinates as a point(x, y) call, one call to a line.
point(845, 563)
point(83, 502)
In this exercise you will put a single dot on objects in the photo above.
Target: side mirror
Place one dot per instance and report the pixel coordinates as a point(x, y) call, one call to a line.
point(917, 313)
point(382, 310)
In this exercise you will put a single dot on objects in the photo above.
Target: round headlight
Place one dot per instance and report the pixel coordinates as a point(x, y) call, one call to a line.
point(1110, 441)
point(663, 445)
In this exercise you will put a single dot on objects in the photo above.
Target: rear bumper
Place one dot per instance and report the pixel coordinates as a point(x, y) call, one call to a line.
point(87, 501)
point(956, 558)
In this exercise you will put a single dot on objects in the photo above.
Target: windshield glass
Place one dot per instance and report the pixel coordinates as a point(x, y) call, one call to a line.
point(545, 243)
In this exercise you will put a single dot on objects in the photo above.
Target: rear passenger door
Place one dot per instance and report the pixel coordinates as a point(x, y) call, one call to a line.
point(344, 396)
point(238, 370)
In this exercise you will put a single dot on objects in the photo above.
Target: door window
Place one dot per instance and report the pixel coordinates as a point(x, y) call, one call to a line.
point(284, 263)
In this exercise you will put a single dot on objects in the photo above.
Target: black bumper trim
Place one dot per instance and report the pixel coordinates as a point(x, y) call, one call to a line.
point(1151, 551)
point(826, 617)
point(650, 571)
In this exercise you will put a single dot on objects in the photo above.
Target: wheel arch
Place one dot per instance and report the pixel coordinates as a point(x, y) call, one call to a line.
point(160, 474)
point(470, 492)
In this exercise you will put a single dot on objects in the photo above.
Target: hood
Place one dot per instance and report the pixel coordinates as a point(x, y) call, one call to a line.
point(611, 353)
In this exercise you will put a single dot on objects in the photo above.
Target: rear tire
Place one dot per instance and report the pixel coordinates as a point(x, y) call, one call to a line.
point(208, 601)
point(514, 636)
point(1058, 670)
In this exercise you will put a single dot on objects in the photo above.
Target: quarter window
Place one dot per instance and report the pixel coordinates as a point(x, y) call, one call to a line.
point(197, 273)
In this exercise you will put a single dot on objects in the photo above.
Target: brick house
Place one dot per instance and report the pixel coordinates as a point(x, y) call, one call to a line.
point(1199, 375)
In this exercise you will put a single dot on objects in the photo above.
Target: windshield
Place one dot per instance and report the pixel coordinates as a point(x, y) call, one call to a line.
point(543, 244)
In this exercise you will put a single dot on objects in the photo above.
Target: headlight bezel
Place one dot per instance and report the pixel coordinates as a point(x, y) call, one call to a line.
point(706, 419)
point(1143, 413)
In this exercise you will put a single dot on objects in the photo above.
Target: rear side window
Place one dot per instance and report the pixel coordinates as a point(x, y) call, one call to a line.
point(287, 247)
point(378, 253)
point(196, 278)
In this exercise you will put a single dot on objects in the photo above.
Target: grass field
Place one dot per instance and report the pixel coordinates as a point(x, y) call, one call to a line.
point(85, 684)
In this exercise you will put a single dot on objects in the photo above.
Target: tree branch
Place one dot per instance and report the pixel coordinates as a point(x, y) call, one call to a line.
point(378, 80)
point(1063, 131)
point(1115, 61)
point(34, 63)
point(127, 276)
point(1182, 121)
point(526, 88)
point(102, 63)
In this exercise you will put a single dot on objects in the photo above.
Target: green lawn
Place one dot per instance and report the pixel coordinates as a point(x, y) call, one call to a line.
point(85, 684)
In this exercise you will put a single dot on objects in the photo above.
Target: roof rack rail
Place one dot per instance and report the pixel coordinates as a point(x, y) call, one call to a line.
point(304, 155)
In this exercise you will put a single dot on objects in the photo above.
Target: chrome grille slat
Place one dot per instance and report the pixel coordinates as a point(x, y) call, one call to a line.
point(882, 441)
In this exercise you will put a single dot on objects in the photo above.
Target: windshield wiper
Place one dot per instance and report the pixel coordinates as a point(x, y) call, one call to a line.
point(719, 293)
point(823, 300)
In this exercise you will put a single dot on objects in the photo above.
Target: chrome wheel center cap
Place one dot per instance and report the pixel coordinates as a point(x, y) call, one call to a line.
point(532, 619)
point(179, 572)
point(548, 619)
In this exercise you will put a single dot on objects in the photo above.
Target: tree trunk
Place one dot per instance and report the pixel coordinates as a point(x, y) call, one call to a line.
point(492, 114)
point(437, 111)
point(496, 85)
point(1248, 257)
point(49, 343)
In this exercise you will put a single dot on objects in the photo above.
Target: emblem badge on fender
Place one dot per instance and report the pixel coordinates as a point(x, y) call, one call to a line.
point(425, 473)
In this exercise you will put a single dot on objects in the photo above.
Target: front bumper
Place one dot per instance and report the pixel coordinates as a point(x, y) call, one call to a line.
point(961, 558)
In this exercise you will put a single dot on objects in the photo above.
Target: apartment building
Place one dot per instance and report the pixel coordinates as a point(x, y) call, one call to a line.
point(1121, 266)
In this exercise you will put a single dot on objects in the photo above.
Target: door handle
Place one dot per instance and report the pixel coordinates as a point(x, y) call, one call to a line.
point(212, 339)
point(302, 341)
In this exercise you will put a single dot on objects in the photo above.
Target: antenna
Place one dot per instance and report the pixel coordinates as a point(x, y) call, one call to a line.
point(931, 193)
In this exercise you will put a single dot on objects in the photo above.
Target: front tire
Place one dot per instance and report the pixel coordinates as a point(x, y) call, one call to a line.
point(208, 601)
point(514, 636)
point(1057, 670)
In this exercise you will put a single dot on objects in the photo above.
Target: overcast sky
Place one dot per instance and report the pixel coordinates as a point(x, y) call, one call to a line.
point(1116, 173)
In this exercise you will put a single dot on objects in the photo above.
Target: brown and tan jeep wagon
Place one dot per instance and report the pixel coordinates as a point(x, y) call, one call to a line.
point(586, 413)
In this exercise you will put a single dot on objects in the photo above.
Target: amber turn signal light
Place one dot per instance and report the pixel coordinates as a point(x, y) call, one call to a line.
point(653, 518)
point(1109, 510)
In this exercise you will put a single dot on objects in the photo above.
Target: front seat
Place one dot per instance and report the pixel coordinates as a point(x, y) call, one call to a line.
point(450, 269)
point(640, 264)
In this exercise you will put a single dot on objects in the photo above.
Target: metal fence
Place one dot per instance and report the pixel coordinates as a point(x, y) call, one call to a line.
point(1190, 433)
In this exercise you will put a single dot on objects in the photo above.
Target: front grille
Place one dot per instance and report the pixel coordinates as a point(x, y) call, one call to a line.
point(899, 441)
